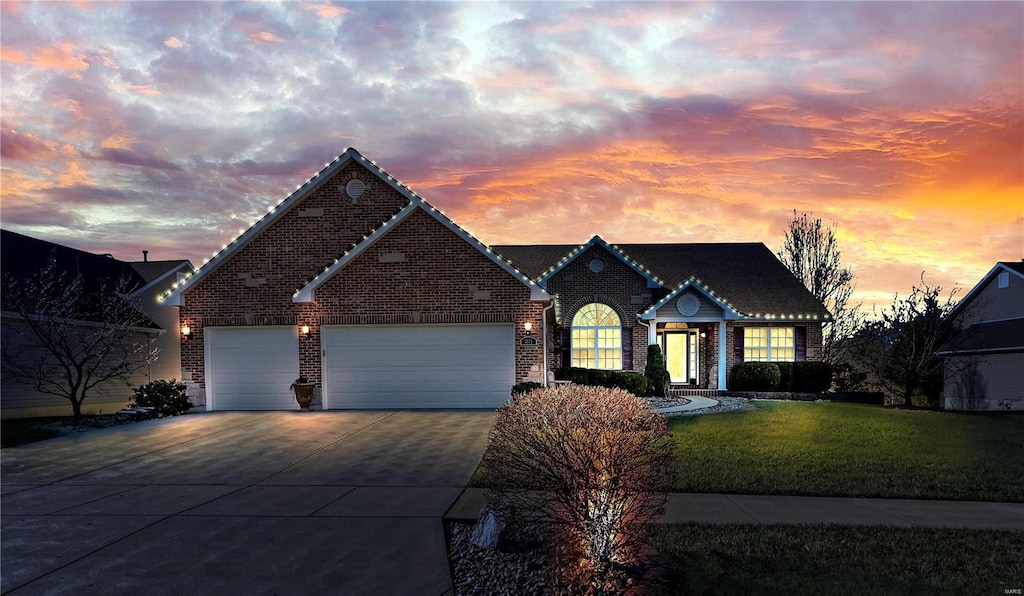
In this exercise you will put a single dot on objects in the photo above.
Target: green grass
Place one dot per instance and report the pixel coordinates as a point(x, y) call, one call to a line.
point(836, 560)
point(834, 449)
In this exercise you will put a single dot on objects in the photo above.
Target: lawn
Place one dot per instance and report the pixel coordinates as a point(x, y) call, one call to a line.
point(834, 449)
point(835, 560)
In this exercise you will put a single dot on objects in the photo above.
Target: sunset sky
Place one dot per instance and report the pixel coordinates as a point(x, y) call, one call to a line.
point(173, 126)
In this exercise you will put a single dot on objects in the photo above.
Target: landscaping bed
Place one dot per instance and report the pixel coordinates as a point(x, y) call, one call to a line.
point(20, 431)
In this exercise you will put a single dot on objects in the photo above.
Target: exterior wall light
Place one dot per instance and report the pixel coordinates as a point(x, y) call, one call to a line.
point(528, 326)
point(304, 329)
point(186, 331)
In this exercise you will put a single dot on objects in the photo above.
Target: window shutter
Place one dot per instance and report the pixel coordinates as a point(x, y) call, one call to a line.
point(800, 337)
point(627, 348)
point(737, 345)
point(566, 338)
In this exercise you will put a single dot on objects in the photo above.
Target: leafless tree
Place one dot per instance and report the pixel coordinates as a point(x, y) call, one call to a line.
point(593, 464)
point(810, 250)
point(64, 335)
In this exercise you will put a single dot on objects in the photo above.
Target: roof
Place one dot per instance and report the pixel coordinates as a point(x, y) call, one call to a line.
point(151, 270)
point(23, 256)
point(1013, 267)
point(304, 294)
point(748, 276)
point(994, 336)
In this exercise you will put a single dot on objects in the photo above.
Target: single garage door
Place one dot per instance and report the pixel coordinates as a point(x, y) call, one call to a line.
point(427, 366)
point(251, 368)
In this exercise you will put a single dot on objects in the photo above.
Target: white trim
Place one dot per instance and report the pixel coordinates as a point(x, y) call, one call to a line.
point(722, 364)
point(728, 312)
point(652, 281)
point(306, 293)
point(14, 315)
point(979, 287)
point(156, 281)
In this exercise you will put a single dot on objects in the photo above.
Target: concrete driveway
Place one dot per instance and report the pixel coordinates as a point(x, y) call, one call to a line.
point(239, 503)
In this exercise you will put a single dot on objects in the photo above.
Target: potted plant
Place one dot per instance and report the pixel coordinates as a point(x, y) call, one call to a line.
point(303, 392)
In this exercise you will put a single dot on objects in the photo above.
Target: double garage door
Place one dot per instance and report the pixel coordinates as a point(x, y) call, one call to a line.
point(456, 366)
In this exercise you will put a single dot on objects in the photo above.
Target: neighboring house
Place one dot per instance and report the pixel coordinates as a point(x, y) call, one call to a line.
point(359, 285)
point(985, 361)
point(708, 306)
point(25, 256)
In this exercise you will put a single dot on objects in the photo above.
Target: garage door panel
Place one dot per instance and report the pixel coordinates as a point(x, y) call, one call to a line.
point(252, 368)
point(457, 366)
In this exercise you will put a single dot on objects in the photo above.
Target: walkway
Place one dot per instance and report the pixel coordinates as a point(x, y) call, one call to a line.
point(757, 509)
point(696, 403)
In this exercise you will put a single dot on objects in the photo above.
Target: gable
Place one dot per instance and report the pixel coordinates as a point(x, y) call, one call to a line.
point(988, 302)
point(580, 274)
point(694, 306)
point(614, 252)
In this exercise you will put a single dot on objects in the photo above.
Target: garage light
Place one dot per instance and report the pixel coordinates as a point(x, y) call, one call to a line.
point(528, 326)
point(186, 331)
point(304, 329)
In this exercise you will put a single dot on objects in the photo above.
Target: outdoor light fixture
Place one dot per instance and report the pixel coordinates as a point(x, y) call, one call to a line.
point(528, 326)
point(186, 331)
point(305, 329)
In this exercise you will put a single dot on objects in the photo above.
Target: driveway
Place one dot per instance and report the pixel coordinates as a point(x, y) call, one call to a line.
point(239, 503)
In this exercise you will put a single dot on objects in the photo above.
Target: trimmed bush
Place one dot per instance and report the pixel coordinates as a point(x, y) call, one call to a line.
point(580, 376)
point(754, 376)
point(633, 382)
point(786, 375)
point(811, 377)
point(525, 387)
point(600, 378)
point(166, 397)
point(594, 462)
point(658, 379)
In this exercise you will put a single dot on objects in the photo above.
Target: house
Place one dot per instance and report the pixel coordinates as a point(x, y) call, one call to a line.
point(708, 306)
point(984, 363)
point(357, 284)
point(24, 256)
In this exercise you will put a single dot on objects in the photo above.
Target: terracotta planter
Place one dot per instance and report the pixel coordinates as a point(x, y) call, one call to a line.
point(304, 394)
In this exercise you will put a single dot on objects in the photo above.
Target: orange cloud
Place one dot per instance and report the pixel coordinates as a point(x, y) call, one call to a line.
point(61, 56)
point(264, 37)
point(11, 55)
point(327, 11)
point(173, 42)
point(141, 89)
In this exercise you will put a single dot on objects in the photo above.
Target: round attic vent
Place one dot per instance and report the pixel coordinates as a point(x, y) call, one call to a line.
point(355, 188)
point(688, 305)
point(597, 265)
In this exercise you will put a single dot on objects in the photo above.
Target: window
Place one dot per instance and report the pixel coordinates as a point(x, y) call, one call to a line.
point(769, 344)
point(597, 338)
point(1004, 279)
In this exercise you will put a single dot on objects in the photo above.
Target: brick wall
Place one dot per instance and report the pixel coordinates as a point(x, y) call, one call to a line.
point(442, 279)
point(617, 285)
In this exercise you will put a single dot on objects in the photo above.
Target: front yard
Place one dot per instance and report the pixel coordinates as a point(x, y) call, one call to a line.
point(834, 449)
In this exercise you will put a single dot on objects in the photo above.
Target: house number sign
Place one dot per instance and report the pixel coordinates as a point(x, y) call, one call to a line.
point(528, 341)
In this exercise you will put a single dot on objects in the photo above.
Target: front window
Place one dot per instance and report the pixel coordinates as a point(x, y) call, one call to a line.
point(769, 344)
point(597, 338)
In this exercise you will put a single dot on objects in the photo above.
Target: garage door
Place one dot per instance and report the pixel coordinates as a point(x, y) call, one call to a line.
point(429, 366)
point(251, 368)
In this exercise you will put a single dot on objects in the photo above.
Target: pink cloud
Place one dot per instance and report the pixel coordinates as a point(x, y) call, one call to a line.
point(173, 42)
point(61, 56)
point(327, 11)
point(264, 37)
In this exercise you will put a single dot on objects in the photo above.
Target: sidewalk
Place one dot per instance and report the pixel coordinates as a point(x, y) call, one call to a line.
point(757, 509)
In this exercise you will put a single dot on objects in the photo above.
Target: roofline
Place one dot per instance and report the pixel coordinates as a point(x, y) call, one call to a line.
point(306, 293)
point(981, 351)
point(7, 314)
point(166, 274)
point(729, 313)
point(173, 297)
point(984, 281)
point(615, 250)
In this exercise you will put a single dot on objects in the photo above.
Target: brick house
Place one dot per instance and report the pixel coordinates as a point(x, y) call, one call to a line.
point(359, 285)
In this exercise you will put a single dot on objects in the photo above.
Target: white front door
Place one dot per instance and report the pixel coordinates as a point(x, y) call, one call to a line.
point(418, 366)
point(251, 368)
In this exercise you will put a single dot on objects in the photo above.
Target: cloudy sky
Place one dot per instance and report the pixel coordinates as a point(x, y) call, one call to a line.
point(172, 126)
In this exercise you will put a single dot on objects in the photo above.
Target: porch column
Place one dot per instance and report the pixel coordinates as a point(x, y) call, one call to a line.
point(652, 332)
point(721, 356)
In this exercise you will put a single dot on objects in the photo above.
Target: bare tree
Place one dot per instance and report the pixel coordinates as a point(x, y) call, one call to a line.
point(898, 348)
point(810, 250)
point(65, 336)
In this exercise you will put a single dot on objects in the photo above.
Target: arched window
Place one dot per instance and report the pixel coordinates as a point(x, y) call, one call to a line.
point(597, 338)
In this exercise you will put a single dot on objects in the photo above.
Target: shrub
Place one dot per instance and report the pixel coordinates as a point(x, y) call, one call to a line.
point(786, 372)
point(812, 377)
point(658, 379)
point(874, 398)
point(635, 383)
point(580, 376)
point(167, 397)
point(754, 376)
point(601, 378)
point(591, 462)
point(525, 387)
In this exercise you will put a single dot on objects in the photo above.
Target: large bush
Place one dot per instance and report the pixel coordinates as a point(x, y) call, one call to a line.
point(592, 463)
point(635, 383)
point(754, 376)
point(658, 378)
point(167, 397)
point(785, 376)
point(812, 377)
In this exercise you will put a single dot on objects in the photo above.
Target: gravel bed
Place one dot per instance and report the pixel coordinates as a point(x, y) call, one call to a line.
point(479, 571)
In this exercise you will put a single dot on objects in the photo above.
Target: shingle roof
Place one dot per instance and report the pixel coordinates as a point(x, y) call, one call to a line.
point(993, 336)
point(748, 275)
point(22, 256)
point(150, 270)
point(1017, 266)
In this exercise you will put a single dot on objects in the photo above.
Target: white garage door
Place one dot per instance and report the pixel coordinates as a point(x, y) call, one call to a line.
point(429, 366)
point(251, 368)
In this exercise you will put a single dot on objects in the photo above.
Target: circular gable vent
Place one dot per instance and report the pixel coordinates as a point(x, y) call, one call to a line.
point(688, 305)
point(597, 265)
point(355, 189)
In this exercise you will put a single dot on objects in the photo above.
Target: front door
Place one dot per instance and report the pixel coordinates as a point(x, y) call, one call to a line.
point(680, 349)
